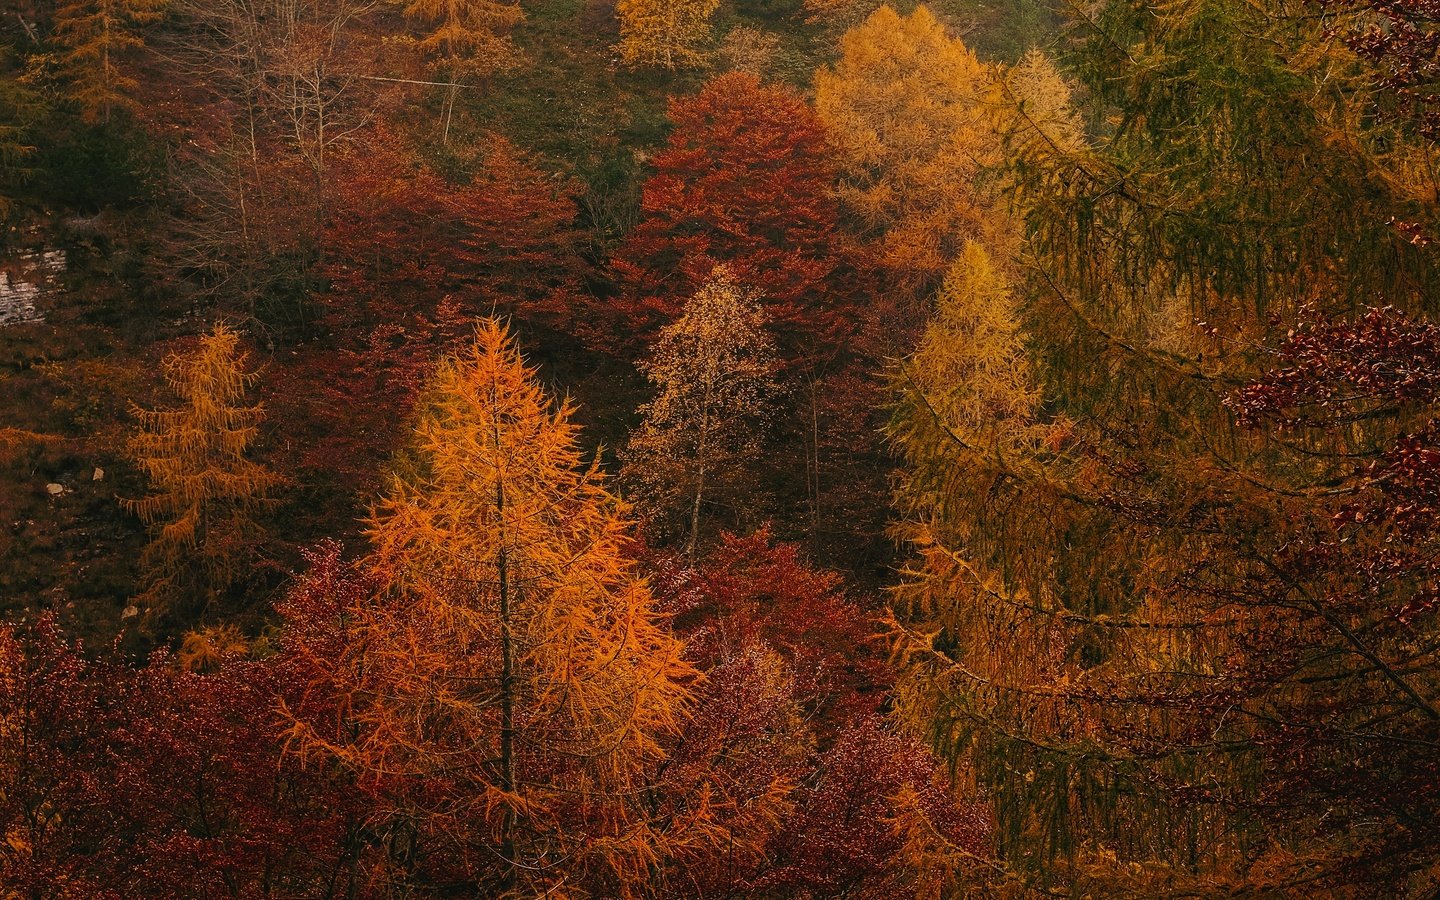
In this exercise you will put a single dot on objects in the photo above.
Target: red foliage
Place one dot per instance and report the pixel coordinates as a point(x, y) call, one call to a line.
point(409, 259)
point(1399, 38)
point(743, 740)
point(745, 180)
point(841, 842)
point(506, 239)
point(752, 590)
point(1332, 372)
point(123, 782)
point(1356, 577)
point(751, 596)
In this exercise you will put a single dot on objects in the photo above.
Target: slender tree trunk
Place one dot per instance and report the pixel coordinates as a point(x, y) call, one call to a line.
point(815, 457)
point(449, 113)
point(695, 513)
point(507, 666)
point(507, 692)
point(701, 448)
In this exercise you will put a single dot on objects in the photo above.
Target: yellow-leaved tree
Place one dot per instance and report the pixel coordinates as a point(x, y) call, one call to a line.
point(968, 422)
point(94, 37)
point(670, 34)
point(1036, 100)
point(714, 371)
point(905, 107)
point(511, 687)
point(467, 39)
point(970, 376)
point(205, 489)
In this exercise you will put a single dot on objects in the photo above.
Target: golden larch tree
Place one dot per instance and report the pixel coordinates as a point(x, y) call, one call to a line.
point(514, 681)
point(205, 489)
point(968, 406)
point(968, 419)
point(467, 39)
point(1037, 99)
point(667, 33)
point(94, 37)
point(905, 107)
point(713, 369)
point(970, 375)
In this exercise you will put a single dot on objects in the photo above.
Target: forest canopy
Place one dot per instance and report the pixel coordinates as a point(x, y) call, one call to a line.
point(719, 448)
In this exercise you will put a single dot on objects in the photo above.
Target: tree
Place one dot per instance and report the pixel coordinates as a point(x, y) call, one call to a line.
point(665, 33)
point(905, 110)
point(470, 40)
point(1036, 101)
point(1128, 614)
point(713, 369)
point(19, 111)
point(517, 241)
point(725, 790)
point(263, 99)
point(745, 181)
point(206, 489)
point(95, 36)
point(753, 590)
point(969, 383)
point(118, 780)
point(1364, 571)
point(788, 717)
point(511, 684)
point(409, 259)
point(749, 50)
point(854, 827)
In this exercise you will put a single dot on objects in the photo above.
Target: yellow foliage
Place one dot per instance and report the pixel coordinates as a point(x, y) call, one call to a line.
point(95, 35)
point(906, 109)
point(713, 369)
point(470, 37)
point(1038, 103)
point(670, 34)
point(517, 656)
point(204, 650)
point(970, 369)
point(205, 489)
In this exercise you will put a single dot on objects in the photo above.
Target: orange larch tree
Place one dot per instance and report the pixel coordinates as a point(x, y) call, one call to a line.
point(510, 686)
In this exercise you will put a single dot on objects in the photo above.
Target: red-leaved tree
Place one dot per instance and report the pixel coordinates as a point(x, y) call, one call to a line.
point(745, 180)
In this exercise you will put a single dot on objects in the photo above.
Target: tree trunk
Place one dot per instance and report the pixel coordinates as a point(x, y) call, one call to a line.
point(702, 445)
point(507, 689)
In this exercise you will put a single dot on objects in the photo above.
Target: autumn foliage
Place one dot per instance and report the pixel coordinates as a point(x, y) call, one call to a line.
point(777, 449)
point(205, 488)
point(744, 181)
point(510, 632)
point(670, 34)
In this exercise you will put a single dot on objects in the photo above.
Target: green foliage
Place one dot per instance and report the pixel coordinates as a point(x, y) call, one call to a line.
point(91, 167)
point(1088, 623)
point(20, 111)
